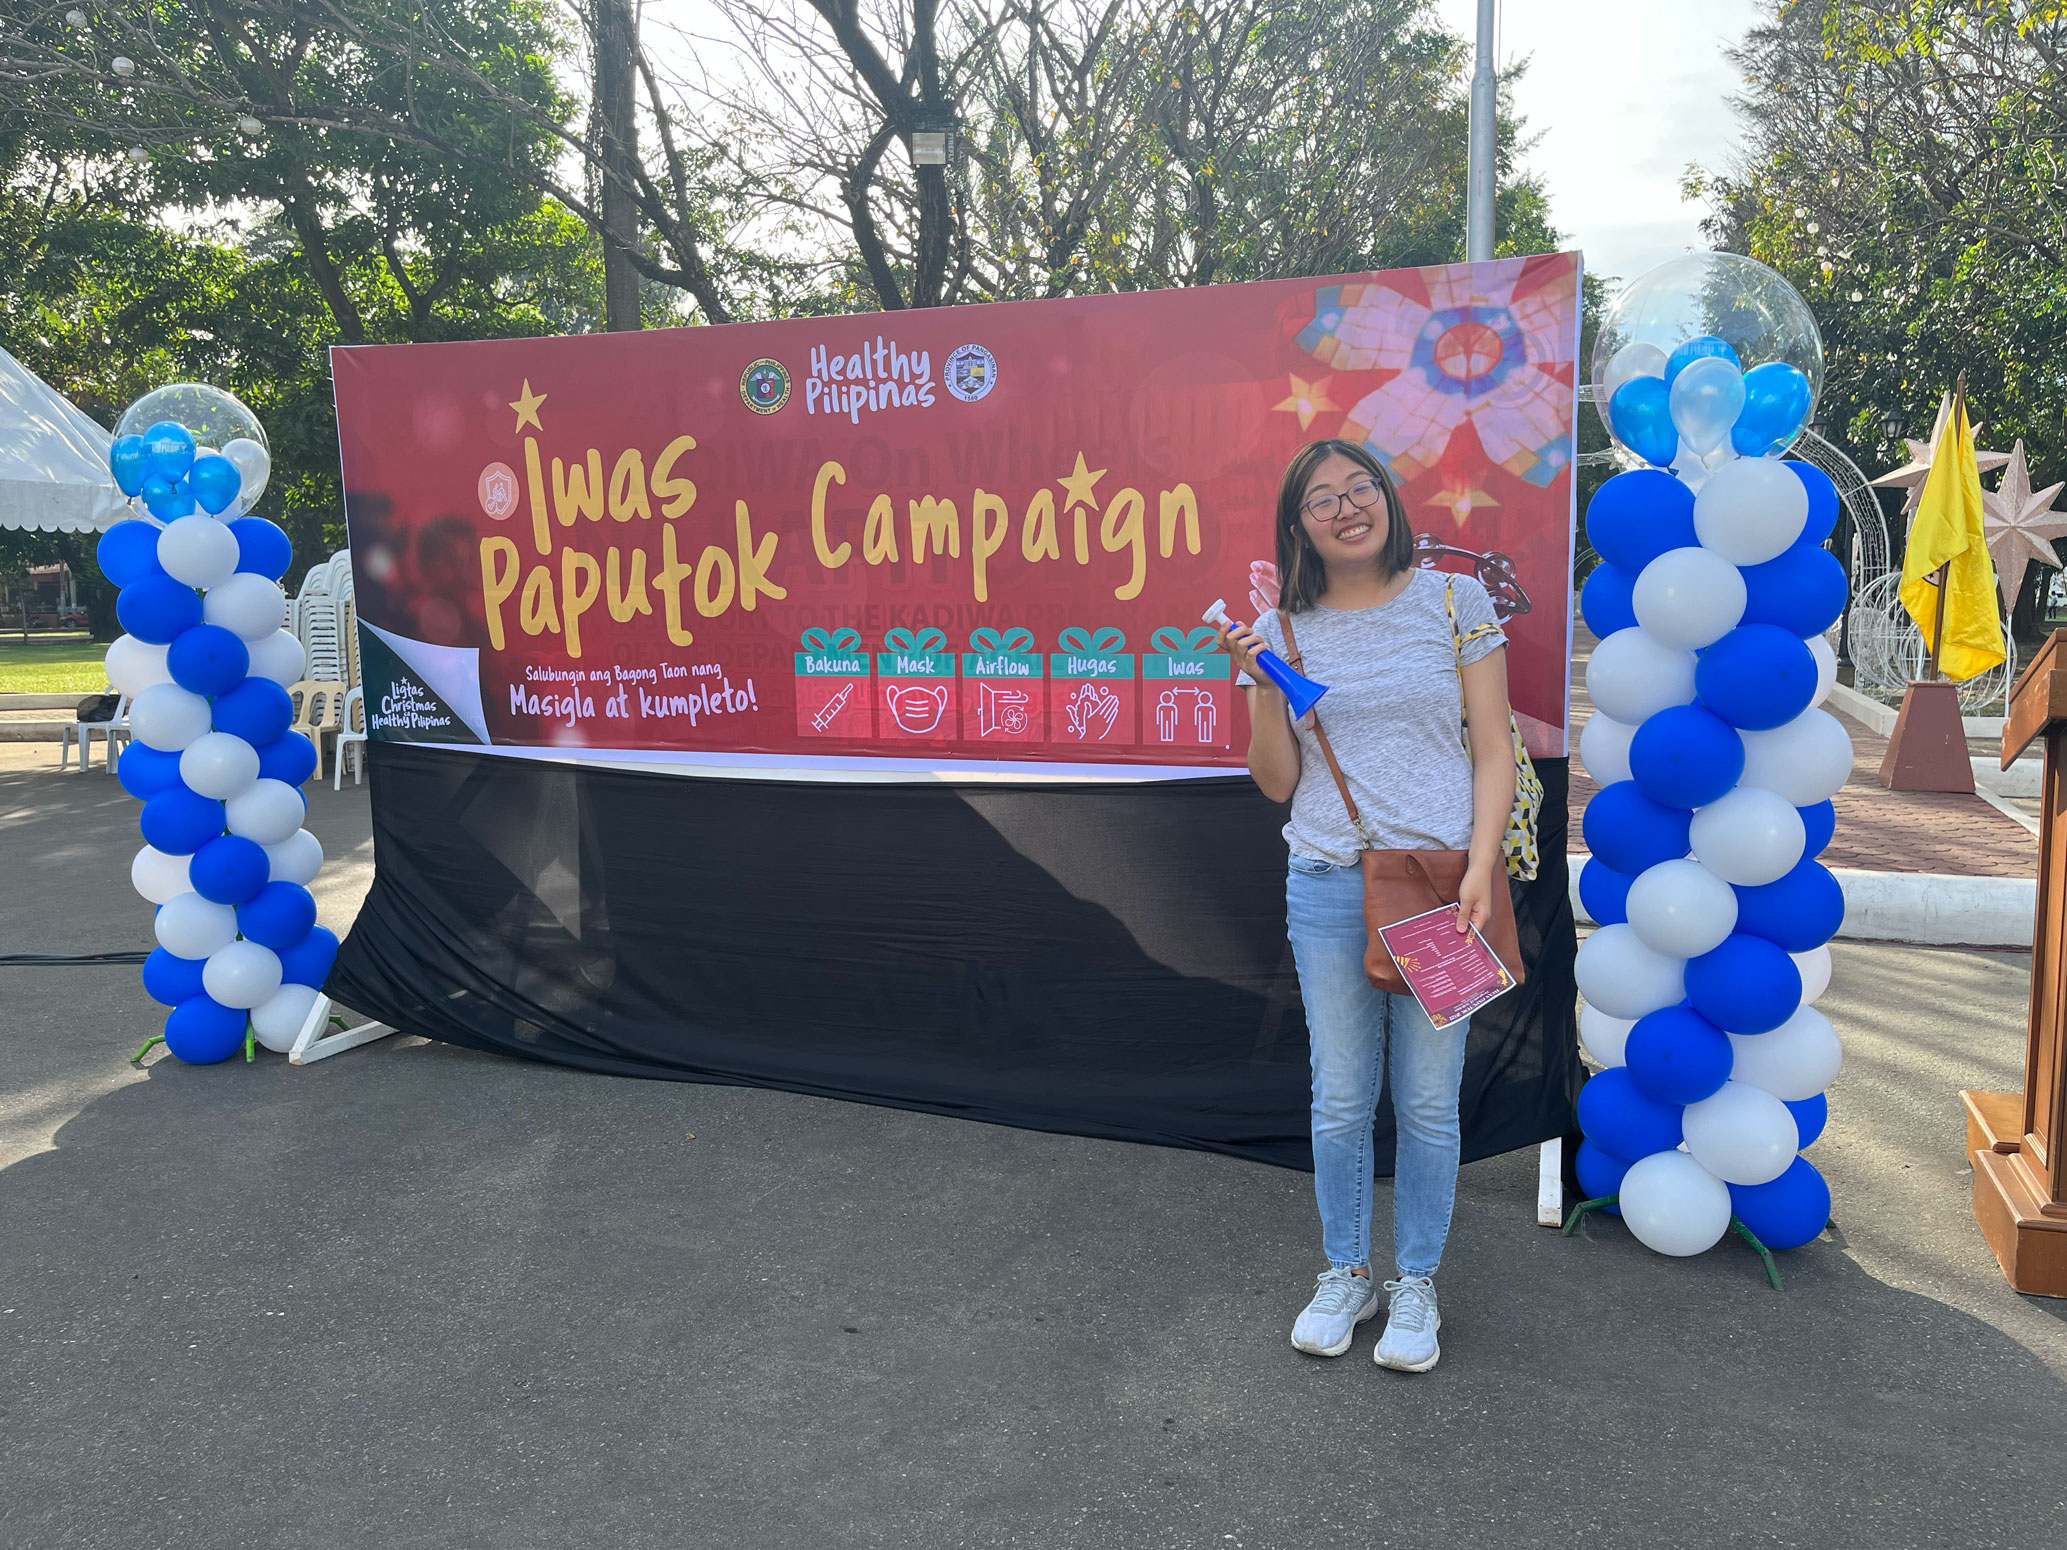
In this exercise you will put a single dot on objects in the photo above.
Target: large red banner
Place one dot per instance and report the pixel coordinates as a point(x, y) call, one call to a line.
point(969, 534)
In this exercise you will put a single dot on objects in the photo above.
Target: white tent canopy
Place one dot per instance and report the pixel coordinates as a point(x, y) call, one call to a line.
point(53, 459)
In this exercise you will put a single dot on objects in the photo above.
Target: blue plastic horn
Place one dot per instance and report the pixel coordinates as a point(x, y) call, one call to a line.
point(1300, 692)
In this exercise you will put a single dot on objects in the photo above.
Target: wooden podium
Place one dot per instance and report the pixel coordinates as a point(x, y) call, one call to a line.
point(2018, 1141)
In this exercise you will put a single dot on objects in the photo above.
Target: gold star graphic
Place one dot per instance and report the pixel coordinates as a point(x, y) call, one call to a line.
point(1912, 474)
point(1308, 400)
point(527, 407)
point(1079, 488)
point(2020, 525)
point(1462, 500)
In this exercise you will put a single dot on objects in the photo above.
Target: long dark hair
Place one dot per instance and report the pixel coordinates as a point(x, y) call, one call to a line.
point(1302, 576)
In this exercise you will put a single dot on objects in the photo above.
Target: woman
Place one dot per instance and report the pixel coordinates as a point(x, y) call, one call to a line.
point(1378, 632)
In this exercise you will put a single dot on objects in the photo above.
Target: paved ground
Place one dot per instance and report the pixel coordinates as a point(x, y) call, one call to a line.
point(419, 1297)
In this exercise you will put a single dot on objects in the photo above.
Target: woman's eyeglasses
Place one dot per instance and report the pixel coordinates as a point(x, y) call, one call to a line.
point(1361, 496)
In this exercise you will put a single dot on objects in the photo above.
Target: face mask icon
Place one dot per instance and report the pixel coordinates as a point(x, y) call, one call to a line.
point(916, 708)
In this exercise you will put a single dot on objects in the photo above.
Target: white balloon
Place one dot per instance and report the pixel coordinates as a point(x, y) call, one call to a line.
point(1629, 363)
point(253, 463)
point(1748, 836)
point(280, 657)
point(1815, 972)
point(1742, 1134)
point(1674, 1205)
point(134, 665)
point(1706, 398)
point(296, 859)
point(1604, 748)
point(1681, 909)
point(1632, 675)
point(167, 717)
point(242, 974)
point(252, 608)
point(267, 811)
point(1826, 666)
point(219, 765)
point(1689, 598)
point(1806, 760)
point(1794, 1061)
point(1602, 1036)
point(198, 550)
point(190, 926)
point(276, 1022)
point(1750, 510)
point(159, 877)
point(1623, 977)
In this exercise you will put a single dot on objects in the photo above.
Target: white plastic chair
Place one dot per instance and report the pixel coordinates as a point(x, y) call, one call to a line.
point(116, 727)
point(351, 729)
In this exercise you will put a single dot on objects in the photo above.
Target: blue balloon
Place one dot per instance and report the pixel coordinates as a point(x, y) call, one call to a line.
point(179, 821)
point(263, 548)
point(291, 758)
point(1621, 1121)
point(308, 961)
point(1685, 756)
point(169, 980)
point(1819, 823)
point(278, 916)
point(168, 450)
point(1604, 892)
point(1695, 350)
point(257, 710)
point(214, 481)
point(1638, 515)
point(203, 1031)
point(229, 869)
point(1600, 1175)
point(1800, 911)
point(1801, 592)
point(1630, 832)
point(158, 609)
point(1747, 985)
point(129, 463)
point(208, 660)
point(1810, 1116)
point(1822, 520)
point(1677, 1056)
point(128, 552)
point(1641, 416)
point(1776, 405)
point(1786, 1212)
point(145, 771)
point(1605, 600)
point(1757, 677)
point(170, 503)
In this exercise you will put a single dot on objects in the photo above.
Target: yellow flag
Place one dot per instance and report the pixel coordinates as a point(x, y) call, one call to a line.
point(1947, 532)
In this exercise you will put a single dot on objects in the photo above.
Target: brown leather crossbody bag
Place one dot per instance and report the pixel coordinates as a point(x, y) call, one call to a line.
point(1403, 883)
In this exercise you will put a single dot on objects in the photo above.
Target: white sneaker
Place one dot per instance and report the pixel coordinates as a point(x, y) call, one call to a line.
point(1342, 1299)
point(1408, 1344)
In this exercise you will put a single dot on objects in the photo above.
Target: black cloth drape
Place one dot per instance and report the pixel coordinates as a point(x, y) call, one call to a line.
point(1104, 960)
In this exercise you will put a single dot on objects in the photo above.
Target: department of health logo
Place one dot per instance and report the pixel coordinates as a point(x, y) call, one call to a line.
point(764, 385)
point(972, 372)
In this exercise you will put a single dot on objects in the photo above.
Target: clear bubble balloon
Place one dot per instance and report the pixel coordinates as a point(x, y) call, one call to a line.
point(211, 416)
point(1735, 301)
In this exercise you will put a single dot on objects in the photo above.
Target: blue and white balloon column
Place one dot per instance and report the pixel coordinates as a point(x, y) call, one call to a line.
point(1715, 765)
point(207, 667)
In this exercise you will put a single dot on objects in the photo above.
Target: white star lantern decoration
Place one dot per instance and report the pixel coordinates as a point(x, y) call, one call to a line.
point(1912, 474)
point(2020, 525)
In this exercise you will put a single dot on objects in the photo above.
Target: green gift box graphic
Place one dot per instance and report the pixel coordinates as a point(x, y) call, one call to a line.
point(1002, 695)
point(832, 686)
point(1091, 688)
point(916, 672)
point(1187, 689)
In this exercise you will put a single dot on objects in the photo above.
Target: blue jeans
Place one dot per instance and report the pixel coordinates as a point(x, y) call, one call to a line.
point(1357, 1031)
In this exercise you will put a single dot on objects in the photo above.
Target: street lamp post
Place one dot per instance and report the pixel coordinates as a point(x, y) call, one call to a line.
point(1478, 183)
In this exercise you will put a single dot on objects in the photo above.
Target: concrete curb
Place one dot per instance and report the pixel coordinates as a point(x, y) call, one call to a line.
point(1926, 908)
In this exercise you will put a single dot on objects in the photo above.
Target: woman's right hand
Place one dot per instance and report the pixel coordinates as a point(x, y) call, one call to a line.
point(1242, 643)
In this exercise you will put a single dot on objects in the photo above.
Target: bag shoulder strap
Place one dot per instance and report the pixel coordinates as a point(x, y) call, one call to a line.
point(1320, 734)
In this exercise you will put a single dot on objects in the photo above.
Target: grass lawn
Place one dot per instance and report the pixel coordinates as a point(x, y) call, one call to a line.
point(51, 664)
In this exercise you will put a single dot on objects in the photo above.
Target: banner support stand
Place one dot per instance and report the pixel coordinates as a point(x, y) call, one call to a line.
point(313, 1044)
point(1550, 1183)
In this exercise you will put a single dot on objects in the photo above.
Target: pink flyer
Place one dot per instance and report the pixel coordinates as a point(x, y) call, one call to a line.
point(1452, 976)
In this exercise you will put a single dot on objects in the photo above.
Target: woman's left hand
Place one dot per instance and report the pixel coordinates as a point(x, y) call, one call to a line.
point(1475, 895)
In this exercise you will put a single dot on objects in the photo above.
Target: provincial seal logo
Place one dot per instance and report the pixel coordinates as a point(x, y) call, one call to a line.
point(972, 371)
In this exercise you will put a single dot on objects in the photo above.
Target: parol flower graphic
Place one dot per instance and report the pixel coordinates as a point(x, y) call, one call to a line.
point(1476, 352)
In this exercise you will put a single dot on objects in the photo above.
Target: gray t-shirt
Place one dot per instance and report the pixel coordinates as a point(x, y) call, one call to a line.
point(1394, 713)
